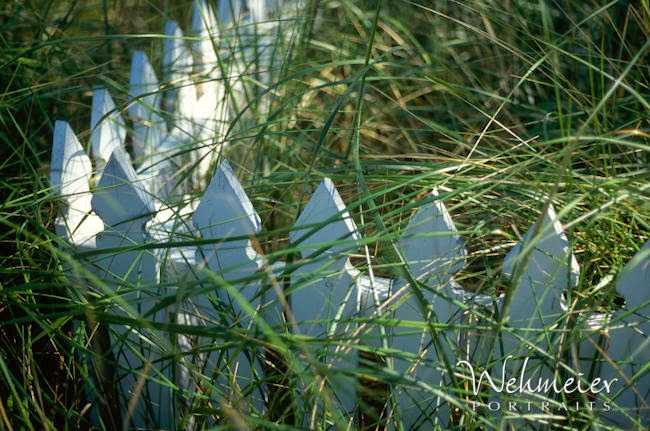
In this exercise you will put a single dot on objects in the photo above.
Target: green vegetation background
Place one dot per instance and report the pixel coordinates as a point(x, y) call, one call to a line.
point(497, 103)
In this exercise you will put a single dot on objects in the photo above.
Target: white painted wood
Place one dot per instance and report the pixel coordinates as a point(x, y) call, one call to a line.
point(591, 342)
point(130, 209)
point(210, 114)
point(180, 98)
point(431, 245)
point(179, 271)
point(226, 213)
point(120, 199)
point(537, 297)
point(157, 153)
point(71, 168)
point(107, 125)
point(434, 252)
point(211, 108)
point(226, 216)
point(629, 349)
point(322, 297)
point(206, 29)
point(149, 126)
point(160, 175)
point(258, 10)
point(372, 293)
point(229, 12)
point(537, 309)
point(70, 173)
point(132, 275)
point(324, 233)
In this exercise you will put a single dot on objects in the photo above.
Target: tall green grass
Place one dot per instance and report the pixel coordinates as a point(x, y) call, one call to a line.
point(497, 104)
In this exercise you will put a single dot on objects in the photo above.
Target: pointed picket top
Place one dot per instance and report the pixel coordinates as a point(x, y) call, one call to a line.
point(71, 168)
point(125, 208)
point(431, 244)
point(119, 197)
point(550, 269)
point(324, 286)
point(69, 176)
point(143, 86)
point(225, 210)
point(144, 90)
point(107, 125)
point(629, 348)
point(536, 308)
point(323, 220)
point(206, 29)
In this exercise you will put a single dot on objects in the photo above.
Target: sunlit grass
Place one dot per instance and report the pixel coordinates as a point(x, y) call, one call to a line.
point(500, 107)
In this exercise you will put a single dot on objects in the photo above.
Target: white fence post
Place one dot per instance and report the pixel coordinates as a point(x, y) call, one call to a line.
point(149, 127)
point(180, 98)
point(211, 109)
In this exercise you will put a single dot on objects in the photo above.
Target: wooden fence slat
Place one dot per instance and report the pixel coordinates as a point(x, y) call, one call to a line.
point(324, 234)
point(258, 10)
point(211, 108)
point(142, 350)
point(180, 98)
point(229, 11)
point(550, 268)
point(149, 126)
point(323, 298)
point(537, 301)
point(537, 309)
point(628, 356)
point(226, 216)
point(70, 173)
point(206, 29)
point(107, 125)
point(434, 252)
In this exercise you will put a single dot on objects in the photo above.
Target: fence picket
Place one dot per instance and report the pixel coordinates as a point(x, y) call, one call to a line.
point(226, 216)
point(211, 109)
point(132, 275)
point(107, 125)
point(230, 11)
point(148, 125)
point(180, 98)
point(70, 173)
point(537, 308)
point(433, 251)
point(628, 355)
point(323, 294)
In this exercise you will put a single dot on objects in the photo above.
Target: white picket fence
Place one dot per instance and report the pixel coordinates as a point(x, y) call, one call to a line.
point(162, 265)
